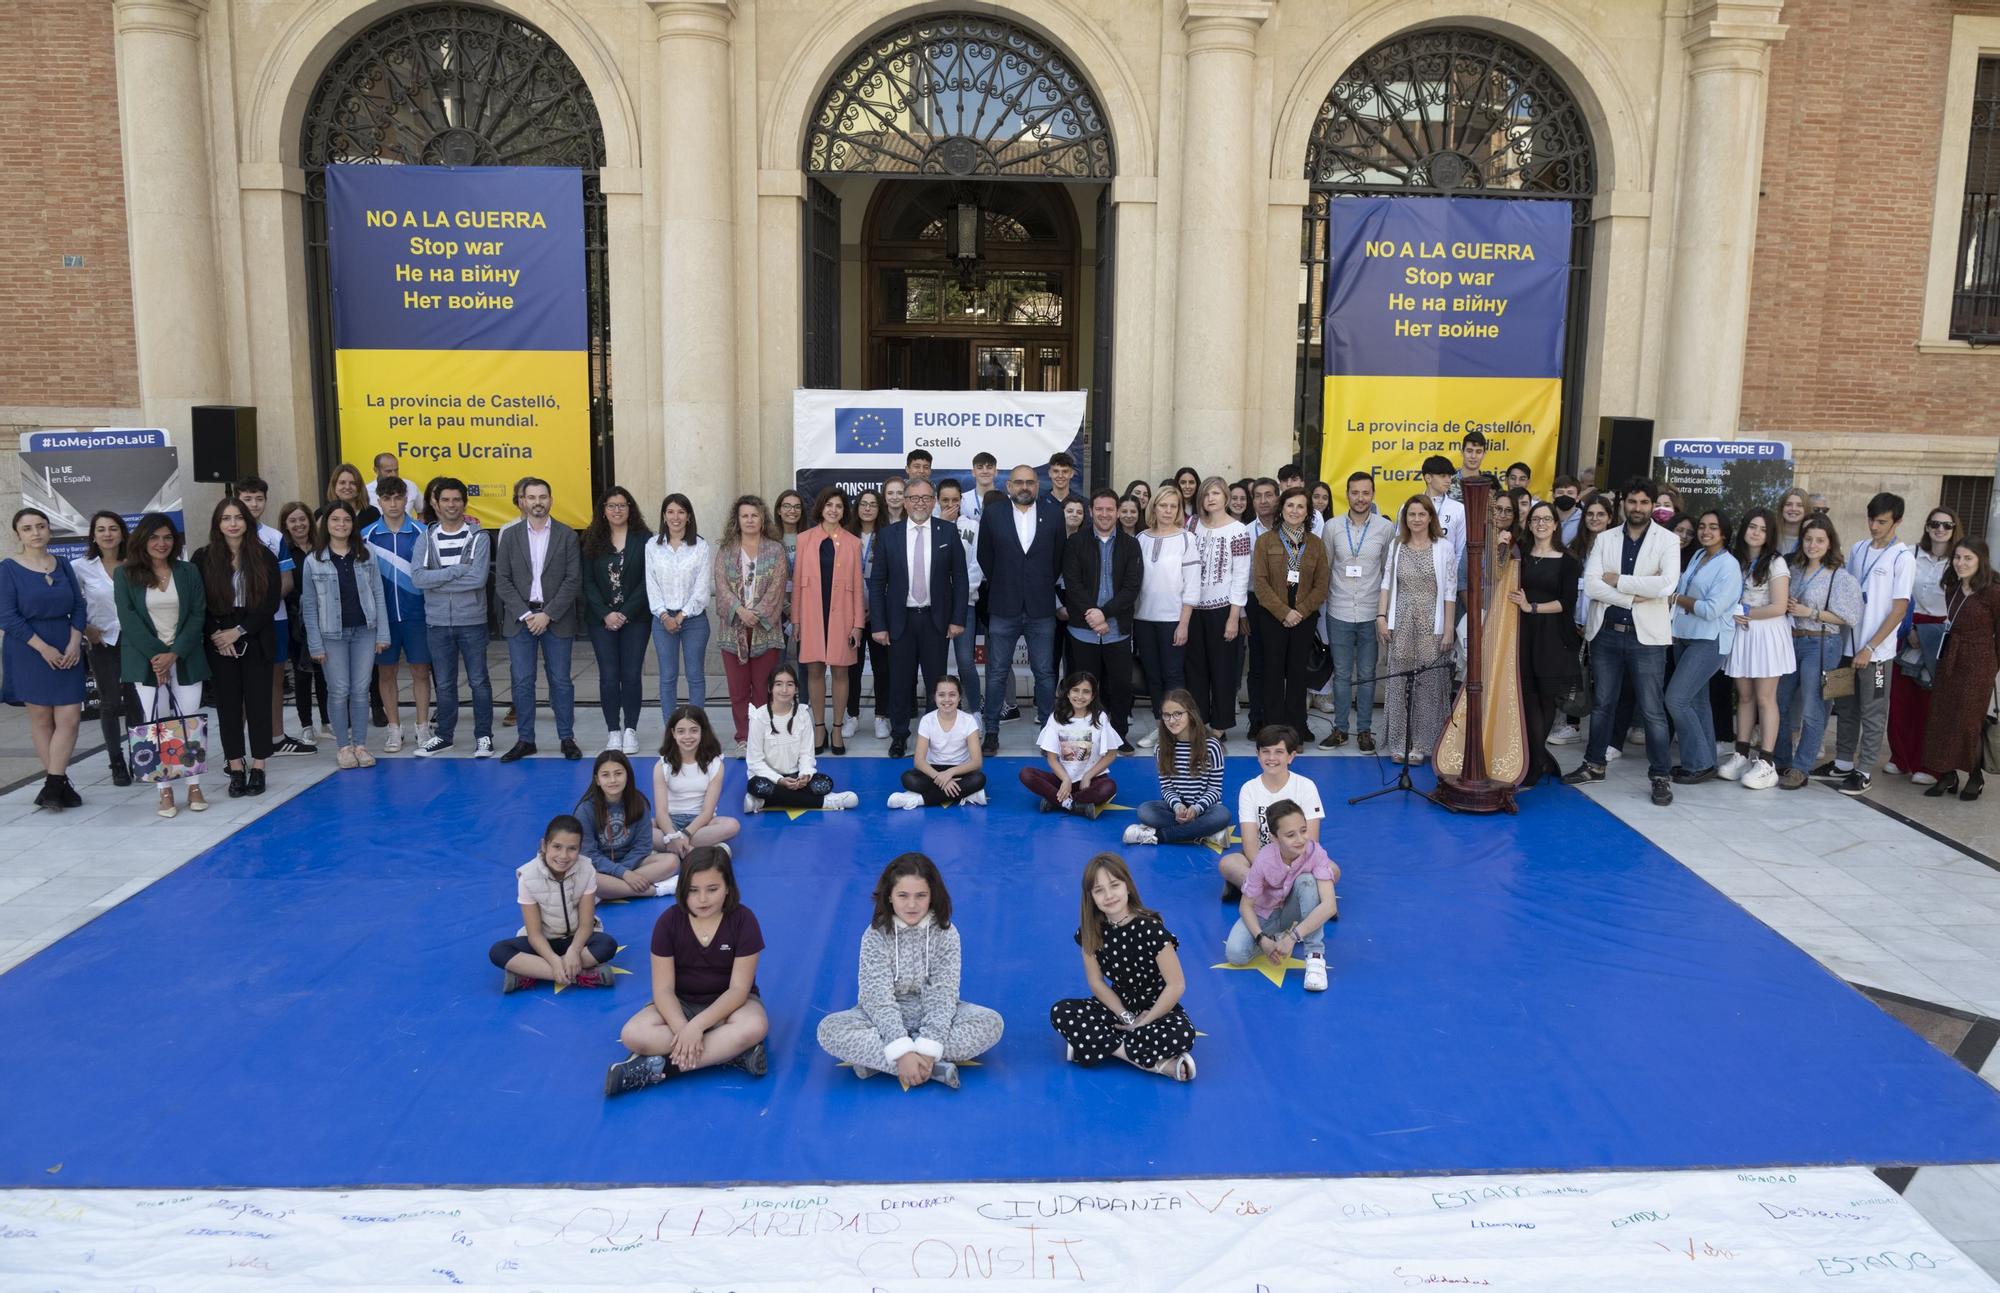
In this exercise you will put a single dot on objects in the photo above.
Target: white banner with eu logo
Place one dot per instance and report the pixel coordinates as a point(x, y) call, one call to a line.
point(856, 438)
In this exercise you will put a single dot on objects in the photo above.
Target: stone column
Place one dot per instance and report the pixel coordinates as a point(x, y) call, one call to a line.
point(177, 309)
point(1728, 44)
point(1211, 314)
point(697, 254)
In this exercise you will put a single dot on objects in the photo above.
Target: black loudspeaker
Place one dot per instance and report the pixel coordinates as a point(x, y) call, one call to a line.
point(225, 443)
point(1624, 450)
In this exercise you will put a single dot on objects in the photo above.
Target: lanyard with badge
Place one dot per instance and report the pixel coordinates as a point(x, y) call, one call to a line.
point(1353, 568)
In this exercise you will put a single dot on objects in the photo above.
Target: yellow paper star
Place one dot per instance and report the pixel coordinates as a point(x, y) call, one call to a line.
point(1262, 964)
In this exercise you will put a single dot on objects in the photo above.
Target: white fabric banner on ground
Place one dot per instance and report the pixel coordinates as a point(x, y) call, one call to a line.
point(869, 432)
point(1658, 1231)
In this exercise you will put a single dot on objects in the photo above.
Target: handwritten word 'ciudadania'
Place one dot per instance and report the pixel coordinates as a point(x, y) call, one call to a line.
point(1063, 1205)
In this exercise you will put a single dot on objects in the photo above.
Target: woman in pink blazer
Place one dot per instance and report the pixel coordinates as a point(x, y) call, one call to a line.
point(828, 607)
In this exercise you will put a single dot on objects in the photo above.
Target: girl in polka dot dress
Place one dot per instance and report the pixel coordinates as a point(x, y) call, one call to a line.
point(1133, 1012)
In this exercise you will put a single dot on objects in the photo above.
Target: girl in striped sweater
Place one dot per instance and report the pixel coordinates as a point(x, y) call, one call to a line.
point(1190, 806)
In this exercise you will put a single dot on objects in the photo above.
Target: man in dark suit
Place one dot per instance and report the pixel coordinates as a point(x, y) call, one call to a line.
point(1020, 556)
point(917, 599)
point(1101, 577)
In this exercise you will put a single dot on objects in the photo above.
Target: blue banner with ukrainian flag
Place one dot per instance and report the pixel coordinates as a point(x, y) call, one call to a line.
point(1443, 316)
point(460, 327)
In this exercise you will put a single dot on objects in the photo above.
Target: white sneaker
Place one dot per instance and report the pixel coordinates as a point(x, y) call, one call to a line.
point(1612, 752)
point(976, 799)
point(1149, 740)
point(881, 729)
point(847, 727)
point(1761, 776)
point(906, 799)
point(664, 888)
point(393, 743)
point(1891, 768)
point(1322, 704)
point(614, 744)
point(841, 799)
point(1922, 779)
point(631, 740)
point(1315, 973)
point(1138, 833)
point(1219, 840)
point(1733, 767)
point(1567, 734)
point(752, 804)
point(484, 748)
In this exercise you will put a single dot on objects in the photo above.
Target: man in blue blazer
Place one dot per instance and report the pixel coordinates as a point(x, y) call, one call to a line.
point(1020, 557)
point(916, 618)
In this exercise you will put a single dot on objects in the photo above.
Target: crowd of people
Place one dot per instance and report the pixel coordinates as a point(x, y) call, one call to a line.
point(1193, 598)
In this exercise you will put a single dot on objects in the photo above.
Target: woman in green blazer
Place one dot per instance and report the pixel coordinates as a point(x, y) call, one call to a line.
point(161, 614)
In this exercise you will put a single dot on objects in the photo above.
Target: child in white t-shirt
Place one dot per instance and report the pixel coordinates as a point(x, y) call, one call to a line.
point(1079, 743)
point(687, 784)
point(948, 768)
point(561, 940)
point(1277, 746)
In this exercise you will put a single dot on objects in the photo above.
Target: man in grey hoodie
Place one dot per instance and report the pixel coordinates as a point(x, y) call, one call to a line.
point(449, 566)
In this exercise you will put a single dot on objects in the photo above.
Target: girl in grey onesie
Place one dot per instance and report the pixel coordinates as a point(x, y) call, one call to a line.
point(910, 1021)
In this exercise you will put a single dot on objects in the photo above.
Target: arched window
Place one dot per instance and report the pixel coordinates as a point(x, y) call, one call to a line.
point(454, 85)
point(959, 95)
point(1445, 112)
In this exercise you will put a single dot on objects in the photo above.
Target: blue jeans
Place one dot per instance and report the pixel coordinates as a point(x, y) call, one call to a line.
point(1159, 814)
point(1002, 632)
point(964, 663)
point(1242, 945)
point(521, 651)
point(448, 643)
point(349, 665)
point(1614, 658)
point(1695, 662)
point(686, 649)
point(1353, 647)
point(1799, 695)
point(621, 659)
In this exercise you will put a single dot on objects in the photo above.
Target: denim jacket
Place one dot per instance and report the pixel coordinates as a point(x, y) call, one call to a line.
point(1716, 584)
point(320, 601)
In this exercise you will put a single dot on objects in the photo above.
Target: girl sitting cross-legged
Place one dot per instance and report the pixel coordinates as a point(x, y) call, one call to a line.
point(617, 833)
point(561, 940)
point(1134, 1009)
point(948, 767)
point(705, 1009)
point(1079, 743)
point(911, 1021)
point(1190, 806)
point(783, 771)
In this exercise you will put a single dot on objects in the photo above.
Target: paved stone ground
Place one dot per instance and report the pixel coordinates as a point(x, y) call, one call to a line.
point(1904, 902)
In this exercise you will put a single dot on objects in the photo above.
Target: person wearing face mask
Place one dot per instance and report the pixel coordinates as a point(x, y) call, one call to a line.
point(1566, 496)
point(910, 1021)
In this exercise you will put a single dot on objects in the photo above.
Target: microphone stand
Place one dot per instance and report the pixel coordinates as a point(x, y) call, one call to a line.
point(1403, 782)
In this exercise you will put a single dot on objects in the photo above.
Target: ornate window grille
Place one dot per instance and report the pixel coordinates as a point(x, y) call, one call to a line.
point(959, 95)
point(454, 85)
point(1975, 296)
point(1443, 112)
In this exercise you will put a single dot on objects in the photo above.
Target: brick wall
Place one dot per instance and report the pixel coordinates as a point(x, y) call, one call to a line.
point(66, 335)
point(1843, 237)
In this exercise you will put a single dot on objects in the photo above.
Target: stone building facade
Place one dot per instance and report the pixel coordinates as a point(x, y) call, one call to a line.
point(1748, 270)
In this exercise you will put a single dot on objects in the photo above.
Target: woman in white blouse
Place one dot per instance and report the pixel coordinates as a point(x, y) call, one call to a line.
point(678, 578)
point(93, 571)
point(1170, 586)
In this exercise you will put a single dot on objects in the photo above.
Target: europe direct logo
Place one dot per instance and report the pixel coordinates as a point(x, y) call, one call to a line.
point(868, 431)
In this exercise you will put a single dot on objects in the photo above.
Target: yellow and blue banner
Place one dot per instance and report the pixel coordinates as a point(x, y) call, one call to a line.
point(460, 327)
point(1443, 316)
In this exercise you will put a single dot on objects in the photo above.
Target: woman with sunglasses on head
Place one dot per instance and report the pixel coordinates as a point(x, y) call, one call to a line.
point(1910, 703)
